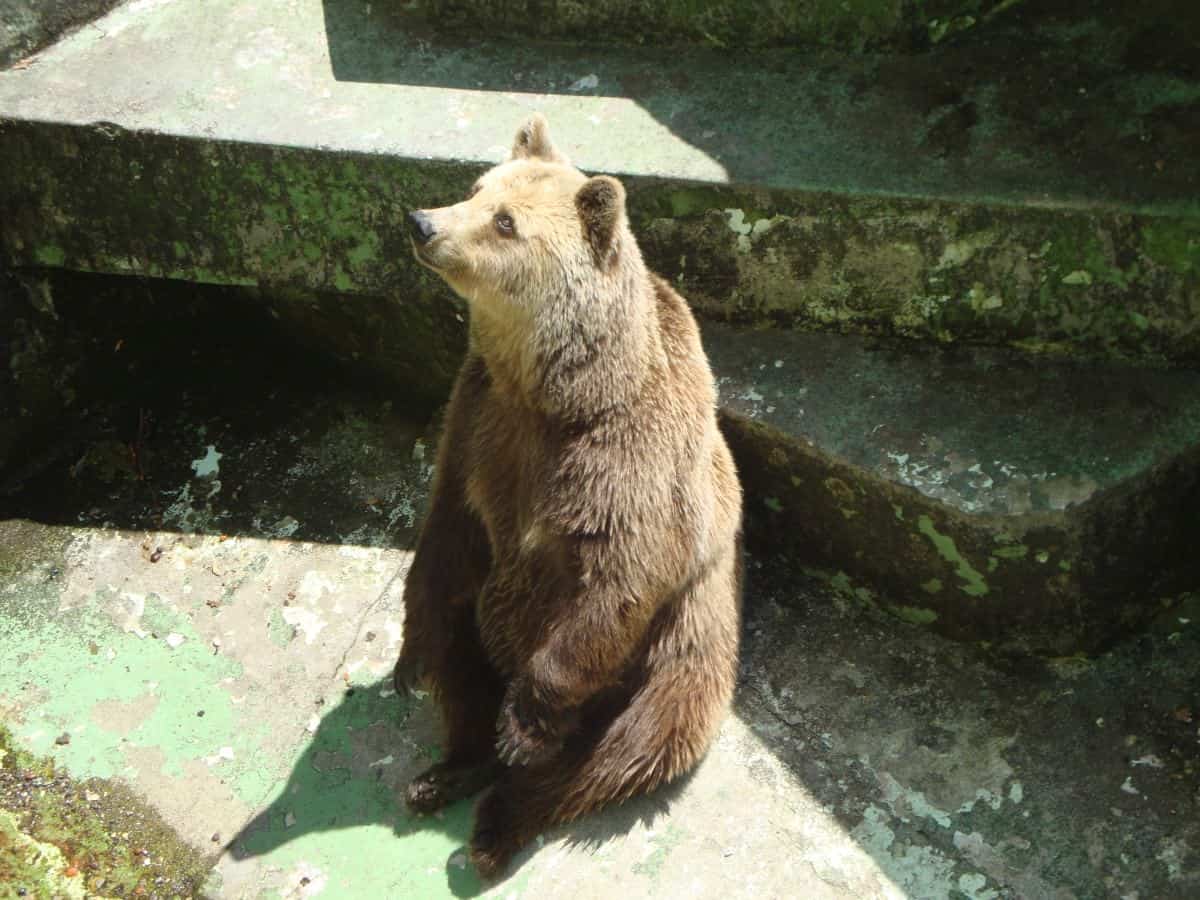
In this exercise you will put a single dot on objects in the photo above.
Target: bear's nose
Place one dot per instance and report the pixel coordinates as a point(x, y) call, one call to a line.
point(420, 226)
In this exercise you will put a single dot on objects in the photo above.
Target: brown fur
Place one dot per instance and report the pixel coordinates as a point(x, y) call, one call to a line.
point(574, 601)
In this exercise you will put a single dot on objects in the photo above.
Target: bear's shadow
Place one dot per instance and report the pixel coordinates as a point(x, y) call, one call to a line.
point(353, 772)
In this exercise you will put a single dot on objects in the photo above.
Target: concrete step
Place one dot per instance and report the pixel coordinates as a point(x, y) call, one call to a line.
point(855, 24)
point(1035, 506)
point(1038, 193)
point(268, 154)
point(990, 495)
point(907, 25)
point(217, 632)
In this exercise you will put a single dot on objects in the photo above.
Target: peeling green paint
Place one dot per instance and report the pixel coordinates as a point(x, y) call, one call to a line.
point(663, 844)
point(78, 693)
point(974, 582)
point(279, 631)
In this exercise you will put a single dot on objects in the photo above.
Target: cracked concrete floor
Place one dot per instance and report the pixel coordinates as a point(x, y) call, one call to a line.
point(214, 623)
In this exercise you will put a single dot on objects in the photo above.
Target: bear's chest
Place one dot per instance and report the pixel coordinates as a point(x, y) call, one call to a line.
point(510, 483)
point(507, 466)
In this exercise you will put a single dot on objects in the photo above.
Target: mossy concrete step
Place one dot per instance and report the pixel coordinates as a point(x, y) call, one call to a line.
point(906, 25)
point(1039, 193)
point(852, 24)
point(991, 495)
point(1046, 507)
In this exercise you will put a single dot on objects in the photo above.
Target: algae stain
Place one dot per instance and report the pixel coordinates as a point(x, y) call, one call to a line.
point(975, 584)
point(914, 615)
point(279, 631)
point(663, 844)
point(1173, 245)
point(50, 256)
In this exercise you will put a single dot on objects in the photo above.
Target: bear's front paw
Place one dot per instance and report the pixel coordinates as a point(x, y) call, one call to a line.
point(529, 731)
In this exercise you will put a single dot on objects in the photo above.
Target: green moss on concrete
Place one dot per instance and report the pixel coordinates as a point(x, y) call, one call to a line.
point(318, 236)
point(1173, 245)
point(1060, 282)
point(1056, 581)
point(974, 583)
point(65, 838)
point(914, 615)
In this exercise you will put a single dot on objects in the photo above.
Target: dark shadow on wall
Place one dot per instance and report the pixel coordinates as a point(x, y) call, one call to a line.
point(1040, 98)
point(141, 376)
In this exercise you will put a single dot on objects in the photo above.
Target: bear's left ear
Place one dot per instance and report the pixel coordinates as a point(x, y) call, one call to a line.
point(601, 205)
point(533, 142)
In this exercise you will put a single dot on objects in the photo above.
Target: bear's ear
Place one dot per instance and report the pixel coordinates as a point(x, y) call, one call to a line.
point(533, 142)
point(601, 205)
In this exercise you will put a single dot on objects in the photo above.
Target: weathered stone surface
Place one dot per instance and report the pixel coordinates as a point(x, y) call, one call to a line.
point(37, 374)
point(1046, 281)
point(864, 758)
point(936, 197)
point(723, 23)
point(28, 25)
point(995, 496)
point(69, 339)
point(1047, 507)
point(910, 25)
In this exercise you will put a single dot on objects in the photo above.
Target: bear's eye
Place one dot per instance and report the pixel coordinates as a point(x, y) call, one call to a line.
point(504, 223)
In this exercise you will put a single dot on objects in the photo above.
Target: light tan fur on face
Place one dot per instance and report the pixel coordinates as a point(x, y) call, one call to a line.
point(528, 295)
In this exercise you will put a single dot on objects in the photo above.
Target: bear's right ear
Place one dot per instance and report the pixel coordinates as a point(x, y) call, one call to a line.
point(533, 142)
point(601, 205)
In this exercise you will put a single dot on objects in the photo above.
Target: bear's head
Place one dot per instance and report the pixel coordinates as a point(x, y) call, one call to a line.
point(531, 228)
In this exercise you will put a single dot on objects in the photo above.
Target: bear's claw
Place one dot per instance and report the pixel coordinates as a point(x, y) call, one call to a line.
point(442, 784)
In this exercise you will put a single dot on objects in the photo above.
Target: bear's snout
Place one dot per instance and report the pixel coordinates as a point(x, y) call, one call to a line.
point(420, 226)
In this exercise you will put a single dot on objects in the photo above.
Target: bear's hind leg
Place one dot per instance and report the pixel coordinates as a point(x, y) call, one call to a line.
point(661, 735)
point(468, 692)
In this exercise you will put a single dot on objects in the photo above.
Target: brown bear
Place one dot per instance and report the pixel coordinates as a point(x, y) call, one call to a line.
point(575, 597)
